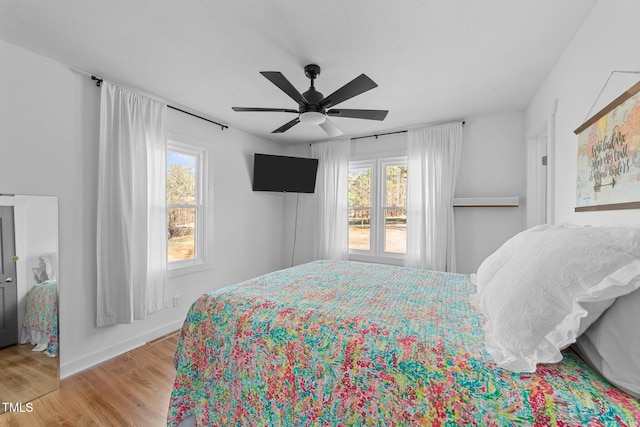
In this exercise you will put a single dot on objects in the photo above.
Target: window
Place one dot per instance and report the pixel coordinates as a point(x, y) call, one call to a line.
point(378, 208)
point(185, 205)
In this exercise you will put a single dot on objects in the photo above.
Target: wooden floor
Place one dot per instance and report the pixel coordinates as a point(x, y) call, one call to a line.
point(130, 390)
point(26, 374)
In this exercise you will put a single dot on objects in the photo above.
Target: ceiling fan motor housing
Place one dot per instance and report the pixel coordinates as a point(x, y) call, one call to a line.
point(314, 97)
point(312, 71)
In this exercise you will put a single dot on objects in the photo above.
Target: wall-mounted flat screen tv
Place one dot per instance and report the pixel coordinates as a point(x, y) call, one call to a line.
point(284, 173)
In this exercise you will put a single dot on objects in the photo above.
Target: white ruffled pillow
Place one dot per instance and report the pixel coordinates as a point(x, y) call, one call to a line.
point(494, 262)
point(558, 281)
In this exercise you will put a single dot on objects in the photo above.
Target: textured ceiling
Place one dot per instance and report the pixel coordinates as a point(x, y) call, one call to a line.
point(433, 61)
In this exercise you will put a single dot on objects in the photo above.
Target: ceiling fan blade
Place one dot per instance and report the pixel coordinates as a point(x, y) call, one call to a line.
point(330, 128)
point(359, 114)
point(277, 110)
point(285, 127)
point(355, 87)
point(278, 79)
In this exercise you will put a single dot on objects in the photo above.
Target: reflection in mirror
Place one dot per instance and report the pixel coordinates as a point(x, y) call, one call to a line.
point(29, 364)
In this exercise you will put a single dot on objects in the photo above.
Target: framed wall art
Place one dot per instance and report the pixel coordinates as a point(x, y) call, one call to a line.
point(608, 156)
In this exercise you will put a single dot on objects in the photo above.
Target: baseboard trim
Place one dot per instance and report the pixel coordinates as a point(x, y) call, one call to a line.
point(75, 366)
point(163, 337)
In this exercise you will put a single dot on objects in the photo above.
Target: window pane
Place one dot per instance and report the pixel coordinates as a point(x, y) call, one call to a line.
point(395, 231)
point(396, 185)
point(182, 242)
point(360, 208)
point(360, 187)
point(395, 209)
point(360, 229)
point(181, 178)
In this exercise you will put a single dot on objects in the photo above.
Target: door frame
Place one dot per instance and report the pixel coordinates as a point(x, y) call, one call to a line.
point(540, 182)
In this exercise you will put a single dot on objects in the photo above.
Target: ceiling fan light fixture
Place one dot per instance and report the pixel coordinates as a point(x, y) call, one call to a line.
point(312, 118)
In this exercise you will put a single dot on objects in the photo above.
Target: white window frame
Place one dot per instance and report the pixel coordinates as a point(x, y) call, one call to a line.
point(376, 252)
point(201, 260)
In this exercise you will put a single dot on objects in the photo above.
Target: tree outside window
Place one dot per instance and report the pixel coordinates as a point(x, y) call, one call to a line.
point(183, 206)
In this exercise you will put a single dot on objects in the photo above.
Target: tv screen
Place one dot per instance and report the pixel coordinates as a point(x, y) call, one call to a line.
point(284, 174)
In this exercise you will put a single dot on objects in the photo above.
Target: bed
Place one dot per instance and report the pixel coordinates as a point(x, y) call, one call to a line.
point(338, 343)
point(40, 325)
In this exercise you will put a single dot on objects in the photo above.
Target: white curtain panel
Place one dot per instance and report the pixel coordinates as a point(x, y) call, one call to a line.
point(132, 229)
point(433, 159)
point(332, 215)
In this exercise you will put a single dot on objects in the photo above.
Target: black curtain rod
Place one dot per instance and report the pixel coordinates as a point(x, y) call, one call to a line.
point(383, 134)
point(195, 115)
point(379, 134)
point(223, 127)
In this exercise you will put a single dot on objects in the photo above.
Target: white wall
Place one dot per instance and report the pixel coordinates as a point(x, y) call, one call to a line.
point(606, 42)
point(49, 120)
point(300, 229)
point(492, 164)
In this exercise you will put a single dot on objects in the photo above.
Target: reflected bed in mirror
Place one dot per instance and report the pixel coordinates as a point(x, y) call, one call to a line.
point(29, 362)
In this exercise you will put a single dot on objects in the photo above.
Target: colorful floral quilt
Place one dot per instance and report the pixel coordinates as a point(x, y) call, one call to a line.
point(334, 343)
point(41, 314)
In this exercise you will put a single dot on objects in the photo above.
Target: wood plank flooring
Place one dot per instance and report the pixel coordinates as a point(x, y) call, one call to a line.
point(130, 390)
point(26, 374)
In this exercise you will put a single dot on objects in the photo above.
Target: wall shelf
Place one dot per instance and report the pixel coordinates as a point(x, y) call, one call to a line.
point(486, 202)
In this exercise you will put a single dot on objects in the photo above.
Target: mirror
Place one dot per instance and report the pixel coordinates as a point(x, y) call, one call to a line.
point(29, 357)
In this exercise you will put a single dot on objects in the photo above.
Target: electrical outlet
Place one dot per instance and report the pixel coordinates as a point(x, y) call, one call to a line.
point(176, 300)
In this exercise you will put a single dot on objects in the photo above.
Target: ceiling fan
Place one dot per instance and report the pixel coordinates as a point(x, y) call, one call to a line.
point(313, 107)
